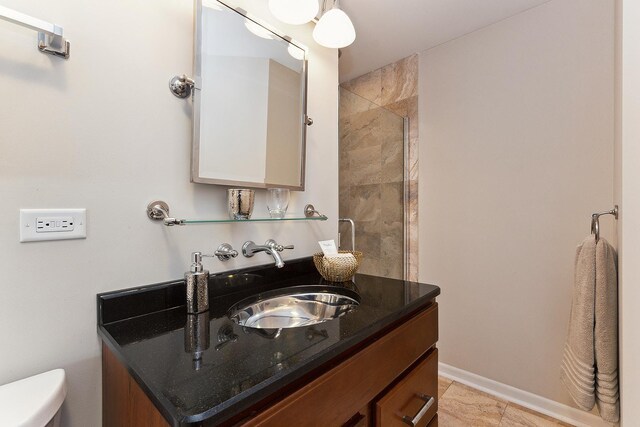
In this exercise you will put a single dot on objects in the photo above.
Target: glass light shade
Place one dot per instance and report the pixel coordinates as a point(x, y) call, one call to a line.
point(294, 12)
point(334, 30)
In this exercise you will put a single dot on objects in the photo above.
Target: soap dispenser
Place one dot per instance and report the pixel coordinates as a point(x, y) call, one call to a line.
point(197, 286)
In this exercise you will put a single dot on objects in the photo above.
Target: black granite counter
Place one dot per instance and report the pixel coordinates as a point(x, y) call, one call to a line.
point(206, 369)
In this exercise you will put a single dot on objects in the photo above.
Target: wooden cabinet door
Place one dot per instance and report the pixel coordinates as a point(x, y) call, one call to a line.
point(412, 398)
point(124, 404)
point(361, 419)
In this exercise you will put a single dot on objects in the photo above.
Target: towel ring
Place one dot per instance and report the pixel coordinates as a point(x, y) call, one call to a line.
point(595, 221)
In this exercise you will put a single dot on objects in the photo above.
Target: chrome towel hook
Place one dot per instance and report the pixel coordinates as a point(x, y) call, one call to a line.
point(595, 221)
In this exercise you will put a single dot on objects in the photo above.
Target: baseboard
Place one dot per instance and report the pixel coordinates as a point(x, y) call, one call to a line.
point(523, 398)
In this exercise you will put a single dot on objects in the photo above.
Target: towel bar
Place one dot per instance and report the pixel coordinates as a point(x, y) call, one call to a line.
point(50, 39)
point(595, 221)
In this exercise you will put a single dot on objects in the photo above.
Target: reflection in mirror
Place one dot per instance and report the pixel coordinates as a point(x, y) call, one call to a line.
point(250, 108)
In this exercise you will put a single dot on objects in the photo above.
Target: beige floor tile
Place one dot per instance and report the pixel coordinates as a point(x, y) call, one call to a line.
point(462, 406)
point(443, 385)
point(517, 416)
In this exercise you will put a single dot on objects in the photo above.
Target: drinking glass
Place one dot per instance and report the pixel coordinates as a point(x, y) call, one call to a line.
point(277, 202)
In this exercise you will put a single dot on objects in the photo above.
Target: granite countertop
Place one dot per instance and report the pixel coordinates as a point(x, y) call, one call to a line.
point(206, 369)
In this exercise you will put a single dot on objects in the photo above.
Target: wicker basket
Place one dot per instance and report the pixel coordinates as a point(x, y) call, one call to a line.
point(339, 269)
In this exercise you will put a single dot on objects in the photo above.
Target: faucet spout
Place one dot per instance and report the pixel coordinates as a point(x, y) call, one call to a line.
point(270, 247)
point(277, 258)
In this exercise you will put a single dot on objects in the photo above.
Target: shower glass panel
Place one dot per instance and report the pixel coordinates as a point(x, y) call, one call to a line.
point(372, 184)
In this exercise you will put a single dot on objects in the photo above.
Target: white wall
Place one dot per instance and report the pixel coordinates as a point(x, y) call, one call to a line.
point(517, 137)
point(102, 131)
point(628, 131)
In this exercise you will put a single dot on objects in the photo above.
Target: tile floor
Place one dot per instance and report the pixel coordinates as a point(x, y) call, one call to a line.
point(463, 406)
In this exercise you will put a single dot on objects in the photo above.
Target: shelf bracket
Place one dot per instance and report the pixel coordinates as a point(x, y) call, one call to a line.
point(159, 211)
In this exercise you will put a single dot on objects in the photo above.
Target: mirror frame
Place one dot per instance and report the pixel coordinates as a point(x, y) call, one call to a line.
point(197, 69)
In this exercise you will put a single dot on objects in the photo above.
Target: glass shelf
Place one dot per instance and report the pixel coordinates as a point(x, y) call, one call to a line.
point(159, 211)
point(217, 221)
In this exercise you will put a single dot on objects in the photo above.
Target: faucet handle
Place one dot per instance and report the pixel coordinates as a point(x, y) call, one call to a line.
point(225, 252)
point(275, 246)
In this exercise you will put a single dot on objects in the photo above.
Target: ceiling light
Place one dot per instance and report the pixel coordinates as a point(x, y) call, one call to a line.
point(294, 12)
point(334, 29)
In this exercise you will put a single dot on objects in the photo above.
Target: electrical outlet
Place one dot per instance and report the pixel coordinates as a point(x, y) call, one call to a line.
point(52, 224)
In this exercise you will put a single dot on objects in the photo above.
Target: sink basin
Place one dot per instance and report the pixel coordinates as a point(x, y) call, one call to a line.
point(294, 307)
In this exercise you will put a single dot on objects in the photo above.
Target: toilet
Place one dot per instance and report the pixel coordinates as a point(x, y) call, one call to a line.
point(33, 401)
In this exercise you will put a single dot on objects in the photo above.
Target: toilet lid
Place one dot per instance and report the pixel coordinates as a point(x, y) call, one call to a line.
point(33, 401)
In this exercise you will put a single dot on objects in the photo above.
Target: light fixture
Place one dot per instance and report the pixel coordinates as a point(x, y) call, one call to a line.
point(334, 29)
point(294, 12)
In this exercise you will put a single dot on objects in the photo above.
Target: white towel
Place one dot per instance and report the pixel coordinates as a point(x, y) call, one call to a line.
point(590, 360)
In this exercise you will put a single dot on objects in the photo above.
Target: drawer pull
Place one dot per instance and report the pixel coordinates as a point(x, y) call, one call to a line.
point(428, 401)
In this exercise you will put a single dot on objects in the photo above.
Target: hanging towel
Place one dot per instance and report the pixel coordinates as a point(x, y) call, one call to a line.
point(590, 360)
point(606, 332)
point(578, 372)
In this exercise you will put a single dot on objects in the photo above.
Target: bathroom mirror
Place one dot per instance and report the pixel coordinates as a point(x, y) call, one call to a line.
point(249, 103)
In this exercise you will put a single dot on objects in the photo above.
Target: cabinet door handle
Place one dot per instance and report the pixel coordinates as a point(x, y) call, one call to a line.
point(428, 401)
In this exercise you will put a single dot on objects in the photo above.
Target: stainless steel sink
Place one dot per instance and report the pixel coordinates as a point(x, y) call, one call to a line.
point(294, 307)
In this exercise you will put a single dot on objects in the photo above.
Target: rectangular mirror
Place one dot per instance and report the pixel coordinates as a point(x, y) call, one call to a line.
point(249, 102)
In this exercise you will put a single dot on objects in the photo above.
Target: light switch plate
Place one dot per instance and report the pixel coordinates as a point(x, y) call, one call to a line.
point(52, 224)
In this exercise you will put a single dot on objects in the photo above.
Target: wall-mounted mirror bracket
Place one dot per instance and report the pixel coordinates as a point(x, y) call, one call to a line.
point(181, 86)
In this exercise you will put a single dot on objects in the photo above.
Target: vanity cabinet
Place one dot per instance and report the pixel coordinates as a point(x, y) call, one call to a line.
point(375, 366)
point(376, 385)
point(386, 378)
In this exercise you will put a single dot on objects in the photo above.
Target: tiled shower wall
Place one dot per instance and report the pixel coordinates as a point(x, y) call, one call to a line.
point(372, 183)
point(394, 88)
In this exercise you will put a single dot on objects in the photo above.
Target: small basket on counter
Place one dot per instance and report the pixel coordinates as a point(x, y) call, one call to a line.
point(337, 269)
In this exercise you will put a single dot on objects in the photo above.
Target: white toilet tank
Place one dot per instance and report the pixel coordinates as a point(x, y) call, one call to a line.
point(33, 401)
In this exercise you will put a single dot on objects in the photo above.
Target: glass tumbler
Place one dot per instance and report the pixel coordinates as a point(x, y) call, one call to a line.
point(240, 202)
point(277, 202)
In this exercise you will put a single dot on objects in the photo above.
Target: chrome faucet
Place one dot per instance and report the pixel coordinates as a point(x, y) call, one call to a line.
point(272, 248)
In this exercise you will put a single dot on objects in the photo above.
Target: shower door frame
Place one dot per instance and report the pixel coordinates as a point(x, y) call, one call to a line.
point(405, 198)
